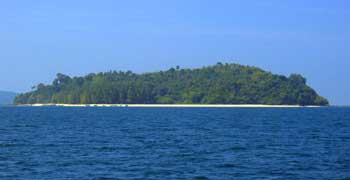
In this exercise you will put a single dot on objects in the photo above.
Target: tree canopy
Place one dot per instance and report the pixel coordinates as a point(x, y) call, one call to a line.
point(217, 84)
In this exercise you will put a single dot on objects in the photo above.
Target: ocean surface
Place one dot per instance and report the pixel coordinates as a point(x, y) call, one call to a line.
point(174, 143)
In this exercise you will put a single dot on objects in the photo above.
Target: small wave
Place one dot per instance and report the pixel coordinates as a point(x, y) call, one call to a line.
point(6, 145)
point(201, 178)
point(106, 178)
point(238, 148)
point(227, 165)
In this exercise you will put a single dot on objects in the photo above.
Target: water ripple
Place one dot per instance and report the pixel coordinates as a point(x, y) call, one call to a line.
point(174, 143)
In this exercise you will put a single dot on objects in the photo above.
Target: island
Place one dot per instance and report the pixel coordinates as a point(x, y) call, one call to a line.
point(219, 84)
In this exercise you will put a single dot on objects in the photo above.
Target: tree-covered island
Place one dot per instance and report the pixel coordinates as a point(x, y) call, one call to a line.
point(218, 84)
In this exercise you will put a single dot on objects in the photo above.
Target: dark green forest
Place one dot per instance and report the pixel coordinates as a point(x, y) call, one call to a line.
point(217, 84)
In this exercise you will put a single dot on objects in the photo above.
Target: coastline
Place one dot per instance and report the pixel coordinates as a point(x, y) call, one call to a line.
point(172, 105)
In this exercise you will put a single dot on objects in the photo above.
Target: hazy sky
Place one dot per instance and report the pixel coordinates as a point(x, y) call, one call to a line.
point(41, 38)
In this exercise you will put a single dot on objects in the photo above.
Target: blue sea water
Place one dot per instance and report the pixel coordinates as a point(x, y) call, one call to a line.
point(174, 143)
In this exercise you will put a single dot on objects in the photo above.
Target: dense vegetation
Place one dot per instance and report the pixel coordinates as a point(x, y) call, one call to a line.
point(218, 84)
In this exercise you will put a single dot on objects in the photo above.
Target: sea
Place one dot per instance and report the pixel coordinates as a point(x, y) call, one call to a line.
point(101, 143)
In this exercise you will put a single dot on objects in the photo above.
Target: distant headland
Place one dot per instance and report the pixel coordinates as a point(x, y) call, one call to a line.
point(220, 84)
point(6, 97)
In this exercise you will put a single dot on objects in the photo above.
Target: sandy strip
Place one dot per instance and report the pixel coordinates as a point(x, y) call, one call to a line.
point(173, 105)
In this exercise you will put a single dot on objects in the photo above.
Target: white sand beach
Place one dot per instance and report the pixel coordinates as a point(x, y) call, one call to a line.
point(174, 105)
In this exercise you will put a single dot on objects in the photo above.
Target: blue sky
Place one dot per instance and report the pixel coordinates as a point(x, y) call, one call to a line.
point(41, 38)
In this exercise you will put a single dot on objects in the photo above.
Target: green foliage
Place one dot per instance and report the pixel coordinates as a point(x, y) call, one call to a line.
point(218, 84)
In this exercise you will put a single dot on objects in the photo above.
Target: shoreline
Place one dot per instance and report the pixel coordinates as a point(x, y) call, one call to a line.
point(172, 105)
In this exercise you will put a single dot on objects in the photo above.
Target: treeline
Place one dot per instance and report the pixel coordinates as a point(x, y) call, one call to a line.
point(218, 84)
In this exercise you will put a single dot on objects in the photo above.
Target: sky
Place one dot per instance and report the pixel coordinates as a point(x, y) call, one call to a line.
point(41, 38)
